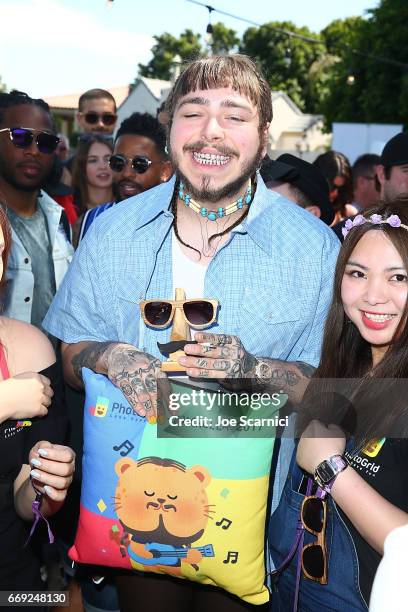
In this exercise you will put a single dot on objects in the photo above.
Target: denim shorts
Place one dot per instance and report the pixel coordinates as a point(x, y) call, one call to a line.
point(342, 593)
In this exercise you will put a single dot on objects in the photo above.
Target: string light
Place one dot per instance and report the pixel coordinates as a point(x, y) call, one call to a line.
point(309, 39)
point(351, 79)
point(209, 30)
point(287, 60)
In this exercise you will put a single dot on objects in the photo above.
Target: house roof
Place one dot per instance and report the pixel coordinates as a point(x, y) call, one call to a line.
point(303, 123)
point(156, 86)
point(288, 100)
point(70, 101)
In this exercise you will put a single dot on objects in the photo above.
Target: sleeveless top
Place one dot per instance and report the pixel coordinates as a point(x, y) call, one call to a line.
point(19, 567)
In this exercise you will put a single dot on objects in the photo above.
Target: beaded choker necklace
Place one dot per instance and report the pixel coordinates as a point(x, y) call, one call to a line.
point(213, 215)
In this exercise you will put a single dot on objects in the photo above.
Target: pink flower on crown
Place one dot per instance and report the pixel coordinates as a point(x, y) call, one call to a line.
point(376, 219)
point(348, 225)
point(394, 221)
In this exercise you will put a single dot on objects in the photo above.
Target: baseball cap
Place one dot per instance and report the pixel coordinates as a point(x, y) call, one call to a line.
point(395, 152)
point(303, 175)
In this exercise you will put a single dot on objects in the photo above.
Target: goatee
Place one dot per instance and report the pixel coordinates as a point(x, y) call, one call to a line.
point(204, 193)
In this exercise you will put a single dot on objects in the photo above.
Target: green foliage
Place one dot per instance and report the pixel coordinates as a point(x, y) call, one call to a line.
point(187, 46)
point(224, 40)
point(380, 90)
point(285, 61)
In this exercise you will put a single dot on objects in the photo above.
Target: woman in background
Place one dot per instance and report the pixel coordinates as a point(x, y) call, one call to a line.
point(91, 174)
point(336, 168)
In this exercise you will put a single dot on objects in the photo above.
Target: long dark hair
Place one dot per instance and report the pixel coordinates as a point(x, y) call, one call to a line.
point(346, 355)
point(79, 176)
point(333, 164)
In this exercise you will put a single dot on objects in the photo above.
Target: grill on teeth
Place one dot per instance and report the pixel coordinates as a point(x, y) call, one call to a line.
point(210, 159)
point(377, 318)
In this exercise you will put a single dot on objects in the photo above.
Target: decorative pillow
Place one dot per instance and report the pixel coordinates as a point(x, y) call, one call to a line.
point(189, 507)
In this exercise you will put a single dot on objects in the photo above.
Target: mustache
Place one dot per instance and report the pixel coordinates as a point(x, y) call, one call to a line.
point(126, 183)
point(199, 146)
point(34, 164)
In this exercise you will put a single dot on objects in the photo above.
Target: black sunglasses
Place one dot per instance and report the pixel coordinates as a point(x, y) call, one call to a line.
point(23, 138)
point(107, 118)
point(314, 558)
point(140, 163)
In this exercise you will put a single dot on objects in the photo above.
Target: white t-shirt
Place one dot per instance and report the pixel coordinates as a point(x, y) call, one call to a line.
point(187, 274)
point(390, 588)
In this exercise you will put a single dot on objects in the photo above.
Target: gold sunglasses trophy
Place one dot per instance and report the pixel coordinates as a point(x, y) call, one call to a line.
point(198, 313)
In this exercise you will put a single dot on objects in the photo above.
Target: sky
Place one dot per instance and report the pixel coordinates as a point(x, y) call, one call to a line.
point(56, 47)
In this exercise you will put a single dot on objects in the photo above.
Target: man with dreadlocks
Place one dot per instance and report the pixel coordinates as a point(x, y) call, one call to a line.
point(40, 252)
point(218, 232)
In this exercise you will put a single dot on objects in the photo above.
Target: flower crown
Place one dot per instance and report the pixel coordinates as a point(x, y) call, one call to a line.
point(392, 220)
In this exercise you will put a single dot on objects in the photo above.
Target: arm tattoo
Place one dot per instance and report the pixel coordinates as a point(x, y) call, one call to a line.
point(291, 378)
point(88, 357)
point(306, 369)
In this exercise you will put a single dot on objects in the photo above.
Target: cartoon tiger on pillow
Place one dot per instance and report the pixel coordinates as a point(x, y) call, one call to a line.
point(163, 508)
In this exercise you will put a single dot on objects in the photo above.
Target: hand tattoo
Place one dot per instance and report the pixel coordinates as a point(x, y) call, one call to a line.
point(89, 357)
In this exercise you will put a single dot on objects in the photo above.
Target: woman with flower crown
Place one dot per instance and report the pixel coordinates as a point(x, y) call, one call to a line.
point(348, 483)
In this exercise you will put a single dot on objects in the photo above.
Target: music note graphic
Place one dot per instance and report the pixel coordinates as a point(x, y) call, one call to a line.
point(128, 447)
point(224, 523)
point(232, 557)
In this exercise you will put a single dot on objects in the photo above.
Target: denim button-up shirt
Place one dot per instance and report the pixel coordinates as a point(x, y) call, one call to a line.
point(273, 278)
point(19, 274)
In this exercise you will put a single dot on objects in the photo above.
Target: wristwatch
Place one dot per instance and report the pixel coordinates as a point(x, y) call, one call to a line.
point(327, 471)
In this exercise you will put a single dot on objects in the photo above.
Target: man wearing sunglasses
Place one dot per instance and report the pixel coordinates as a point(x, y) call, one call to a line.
point(41, 251)
point(216, 231)
point(96, 112)
point(139, 162)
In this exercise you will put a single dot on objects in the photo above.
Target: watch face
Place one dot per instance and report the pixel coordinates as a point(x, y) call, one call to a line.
point(325, 472)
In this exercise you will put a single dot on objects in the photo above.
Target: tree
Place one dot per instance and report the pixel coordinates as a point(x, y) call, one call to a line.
point(339, 89)
point(224, 40)
point(188, 46)
point(387, 84)
point(380, 90)
point(285, 60)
